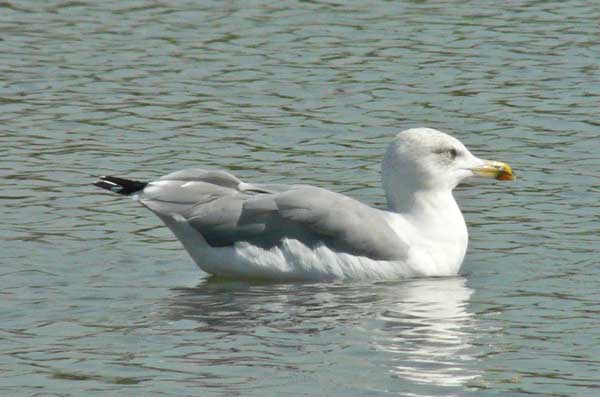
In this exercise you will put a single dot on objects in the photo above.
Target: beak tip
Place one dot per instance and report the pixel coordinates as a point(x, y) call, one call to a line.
point(505, 173)
point(505, 176)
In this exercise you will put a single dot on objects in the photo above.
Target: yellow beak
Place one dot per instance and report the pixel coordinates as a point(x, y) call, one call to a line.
point(494, 170)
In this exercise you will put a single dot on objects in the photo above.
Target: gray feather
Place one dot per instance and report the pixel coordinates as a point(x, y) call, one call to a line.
point(225, 211)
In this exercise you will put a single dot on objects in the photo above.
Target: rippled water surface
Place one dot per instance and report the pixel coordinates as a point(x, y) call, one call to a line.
point(97, 298)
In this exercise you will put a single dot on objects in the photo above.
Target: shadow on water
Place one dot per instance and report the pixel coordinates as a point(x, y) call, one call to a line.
point(422, 329)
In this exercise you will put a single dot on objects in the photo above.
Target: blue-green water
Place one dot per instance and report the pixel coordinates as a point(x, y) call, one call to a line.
point(96, 297)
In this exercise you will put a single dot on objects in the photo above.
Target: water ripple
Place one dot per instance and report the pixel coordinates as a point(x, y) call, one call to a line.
point(97, 298)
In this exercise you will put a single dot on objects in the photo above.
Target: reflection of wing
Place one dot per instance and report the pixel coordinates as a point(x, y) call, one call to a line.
point(225, 211)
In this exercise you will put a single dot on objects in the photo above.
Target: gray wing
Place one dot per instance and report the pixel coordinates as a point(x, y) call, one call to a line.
point(341, 222)
point(226, 210)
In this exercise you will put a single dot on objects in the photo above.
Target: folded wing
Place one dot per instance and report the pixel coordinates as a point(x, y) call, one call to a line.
point(226, 210)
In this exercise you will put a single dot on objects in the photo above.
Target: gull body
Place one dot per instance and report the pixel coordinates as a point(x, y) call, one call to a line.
point(300, 232)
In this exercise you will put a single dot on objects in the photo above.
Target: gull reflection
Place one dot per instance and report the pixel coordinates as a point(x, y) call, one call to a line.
point(417, 331)
point(428, 331)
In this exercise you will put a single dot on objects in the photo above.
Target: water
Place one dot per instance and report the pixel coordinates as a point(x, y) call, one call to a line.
point(98, 299)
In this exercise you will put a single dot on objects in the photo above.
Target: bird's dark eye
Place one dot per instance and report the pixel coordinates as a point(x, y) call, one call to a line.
point(451, 152)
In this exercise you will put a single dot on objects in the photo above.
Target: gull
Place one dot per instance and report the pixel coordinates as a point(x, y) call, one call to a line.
point(242, 230)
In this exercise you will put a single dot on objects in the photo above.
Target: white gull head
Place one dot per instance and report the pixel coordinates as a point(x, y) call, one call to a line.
point(424, 159)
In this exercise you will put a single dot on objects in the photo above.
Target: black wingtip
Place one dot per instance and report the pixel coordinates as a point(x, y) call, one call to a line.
point(120, 185)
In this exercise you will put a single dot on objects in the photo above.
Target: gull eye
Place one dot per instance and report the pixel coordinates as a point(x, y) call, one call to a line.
point(452, 153)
